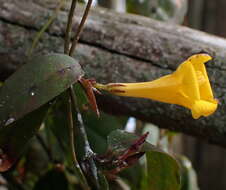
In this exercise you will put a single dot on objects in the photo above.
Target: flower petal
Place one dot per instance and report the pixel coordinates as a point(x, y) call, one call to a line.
point(198, 63)
point(203, 108)
point(189, 81)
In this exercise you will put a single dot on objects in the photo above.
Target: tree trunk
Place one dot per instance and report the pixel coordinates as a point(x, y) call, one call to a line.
point(120, 48)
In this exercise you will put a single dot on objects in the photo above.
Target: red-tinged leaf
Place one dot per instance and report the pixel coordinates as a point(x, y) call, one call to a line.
point(137, 144)
point(120, 141)
point(163, 172)
point(128, 162)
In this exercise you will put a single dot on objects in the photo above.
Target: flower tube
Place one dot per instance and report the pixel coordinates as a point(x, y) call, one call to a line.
point(188, 86)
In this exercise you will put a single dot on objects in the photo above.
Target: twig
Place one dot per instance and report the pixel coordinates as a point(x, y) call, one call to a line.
point(88, 151)
point(72, 145)
point(71, 90)
point(89, 154)
point(70, 116)
point(80, 120)
point(69, 27)
point(44, 28)
point(80, 27)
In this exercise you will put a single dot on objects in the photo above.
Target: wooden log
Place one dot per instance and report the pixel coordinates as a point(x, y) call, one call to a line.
point(120, 48)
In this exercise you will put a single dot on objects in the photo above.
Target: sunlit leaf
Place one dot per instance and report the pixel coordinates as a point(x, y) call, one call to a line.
point(163, 172)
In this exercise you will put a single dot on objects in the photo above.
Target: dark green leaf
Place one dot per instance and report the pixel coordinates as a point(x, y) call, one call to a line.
point(58, 124)
point(35, 84)
point(97, 128)
point(14, 137)
point(53, 179)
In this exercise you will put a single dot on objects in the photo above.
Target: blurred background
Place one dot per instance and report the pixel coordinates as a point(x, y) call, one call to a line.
point(209, 161)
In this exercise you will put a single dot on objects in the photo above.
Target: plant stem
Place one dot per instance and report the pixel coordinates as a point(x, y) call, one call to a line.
point(88, 151)
point(67, 40)
point(72, 145)
point(69, 27)
point(80, 27)
point(70, 117)
point(80, 120)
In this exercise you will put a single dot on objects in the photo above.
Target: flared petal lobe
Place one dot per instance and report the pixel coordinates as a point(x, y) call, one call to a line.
point(203, 108)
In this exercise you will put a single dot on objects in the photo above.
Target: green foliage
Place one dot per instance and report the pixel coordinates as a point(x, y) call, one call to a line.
point(15, 137)
point(40, 93)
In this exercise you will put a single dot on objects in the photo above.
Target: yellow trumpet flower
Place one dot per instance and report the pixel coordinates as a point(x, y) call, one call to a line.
point(188, 86)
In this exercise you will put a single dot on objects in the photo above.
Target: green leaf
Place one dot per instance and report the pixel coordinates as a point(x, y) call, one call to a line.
point(97, 128)
point(53, 179)
point(163, 172)
point(14, 137)
point(35, 84)
point(57, 128)
point(57, 120)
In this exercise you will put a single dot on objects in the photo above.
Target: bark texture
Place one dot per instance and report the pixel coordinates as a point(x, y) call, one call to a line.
point(120, 48)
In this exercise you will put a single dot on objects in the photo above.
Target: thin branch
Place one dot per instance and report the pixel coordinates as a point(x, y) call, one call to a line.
point(72, 145)
point(80, 120)
point(80, 27)
point(70, 116)
point(88, 151)
point(69, 27)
